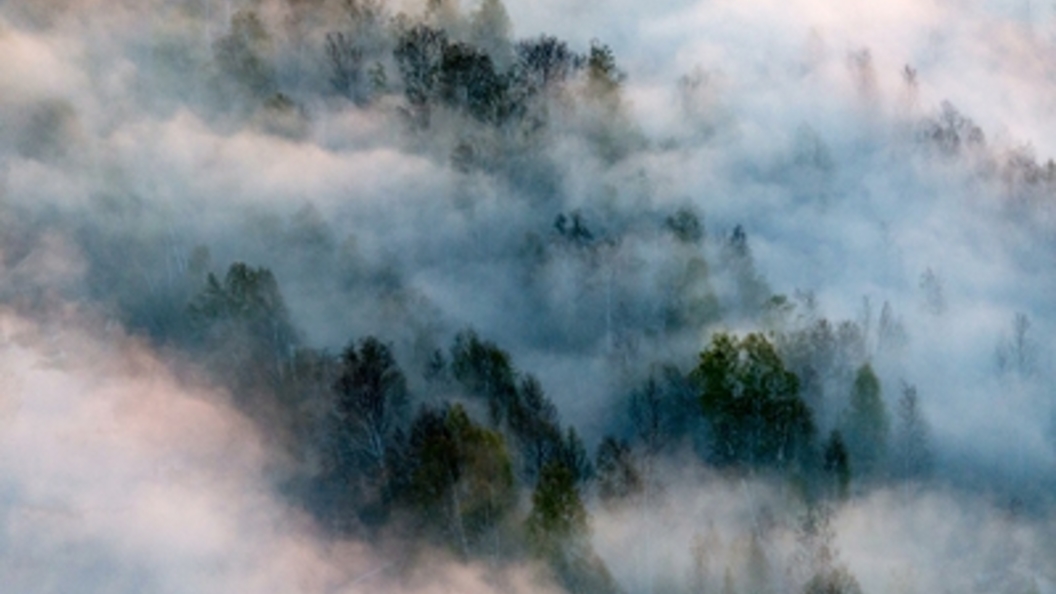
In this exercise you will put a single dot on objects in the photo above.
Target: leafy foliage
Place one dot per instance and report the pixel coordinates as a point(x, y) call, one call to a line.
point(752, 403)
point(371, 400)
point(866, 424)
point(456, 477)
point(618, 478)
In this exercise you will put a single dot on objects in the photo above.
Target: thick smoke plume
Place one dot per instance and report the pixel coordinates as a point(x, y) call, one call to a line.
point(208, 206)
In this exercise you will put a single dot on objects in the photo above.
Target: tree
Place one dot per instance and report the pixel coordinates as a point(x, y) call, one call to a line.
point(346, 67)
point(685, 225)
point(890, 333)
point(243, 54)
point(467, 81)
point(866, 425)
point(371, 401)
point(419, 53)
point(951, 131)
point(836, 465)
point(243, 320)
point(543, 62)
point(838, 580)
point(558, 531)
point(557, 512)
point(1017, 354)
point(911, 451)
point(603, 76)
point(573, 455)
point(933, 292)
point(457, 477)
point(485, 371)
point(752, 403)
point(648, 416)
point(535, 425)
point(736, 258)
point(617, 475)
point(818, 556)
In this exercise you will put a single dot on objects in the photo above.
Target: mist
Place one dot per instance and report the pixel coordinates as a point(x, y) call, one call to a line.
point(880, 173)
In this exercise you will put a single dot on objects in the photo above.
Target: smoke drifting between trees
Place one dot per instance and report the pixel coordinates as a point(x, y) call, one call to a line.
point(552, 342)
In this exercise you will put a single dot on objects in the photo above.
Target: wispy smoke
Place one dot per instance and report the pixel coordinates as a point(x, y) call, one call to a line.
point(884, 166)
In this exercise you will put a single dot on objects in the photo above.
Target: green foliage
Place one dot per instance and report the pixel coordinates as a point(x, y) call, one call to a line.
point(467, 81)
point(485, 371)
point(419, 53)
point(866, 425)
point(455, 476)
point(371, 401)
point(573, 455)
point(603, 77)
point(836, 465)
point(752, 403)
point(534, 423)
point(543, 63)
point(557, 512)
point(617, 476)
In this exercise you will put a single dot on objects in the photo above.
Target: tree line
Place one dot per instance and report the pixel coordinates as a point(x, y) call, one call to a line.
point(476, 458)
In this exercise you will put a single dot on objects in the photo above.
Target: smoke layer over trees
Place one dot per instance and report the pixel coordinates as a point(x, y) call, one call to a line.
point(428, 296)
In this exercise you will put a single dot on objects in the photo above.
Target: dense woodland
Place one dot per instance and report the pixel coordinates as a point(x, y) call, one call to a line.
point(428, 433)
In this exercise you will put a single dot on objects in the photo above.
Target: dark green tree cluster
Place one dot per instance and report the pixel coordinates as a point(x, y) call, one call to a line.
point(518, 405)
point(752, 403)
point(438, 70)
point(438, 62)
point(484, 465)
point(454, 479)
point(454, 474)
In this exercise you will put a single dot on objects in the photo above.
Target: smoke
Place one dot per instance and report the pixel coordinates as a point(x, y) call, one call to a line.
point(130, 138)
point(119, 476)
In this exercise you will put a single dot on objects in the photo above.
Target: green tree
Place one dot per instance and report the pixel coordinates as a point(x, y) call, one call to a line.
point(752, 403)
point(419, 52)
point(911, 447)
point(557, 512)
point(603, 76)
point(836, 465)
point(617, 475)
point(543, 62)
point(535, 425)
point(485, 371)
point(558, 531)
point(866, 425)
point(467, 81)
point(456, 477)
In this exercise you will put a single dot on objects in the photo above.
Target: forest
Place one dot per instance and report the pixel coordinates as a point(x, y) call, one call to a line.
point(367, 296)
